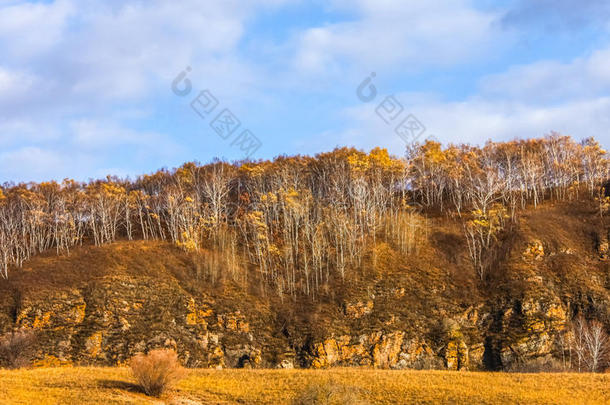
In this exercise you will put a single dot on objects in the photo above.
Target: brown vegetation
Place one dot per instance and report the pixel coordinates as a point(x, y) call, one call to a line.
point(302, 221)
point(328, 393)
point(156, 371)
point(261, 387)
point(16, 348)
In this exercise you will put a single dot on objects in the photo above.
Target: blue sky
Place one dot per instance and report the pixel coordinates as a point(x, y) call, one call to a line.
point(85, 87)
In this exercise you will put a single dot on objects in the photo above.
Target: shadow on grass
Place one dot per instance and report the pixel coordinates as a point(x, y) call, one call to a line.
point(121, 385)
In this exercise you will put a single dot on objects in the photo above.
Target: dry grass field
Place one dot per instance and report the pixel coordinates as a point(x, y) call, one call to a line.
point(115, 386)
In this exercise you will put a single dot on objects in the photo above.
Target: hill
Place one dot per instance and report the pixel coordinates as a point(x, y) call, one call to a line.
point(100, 305)
point(465, 257)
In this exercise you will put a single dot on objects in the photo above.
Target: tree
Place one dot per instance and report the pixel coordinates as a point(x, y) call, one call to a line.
point(299, 223)
point(590, 343)
point(596, 341)
point(481, 233)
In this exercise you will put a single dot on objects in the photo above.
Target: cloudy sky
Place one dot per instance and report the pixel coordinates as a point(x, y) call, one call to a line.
point(86, 86)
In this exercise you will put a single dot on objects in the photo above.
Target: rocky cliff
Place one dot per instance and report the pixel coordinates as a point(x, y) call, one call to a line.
point(101, 305)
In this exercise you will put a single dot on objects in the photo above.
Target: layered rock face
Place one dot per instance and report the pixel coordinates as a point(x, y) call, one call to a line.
point(111, 319)
point(101, 306)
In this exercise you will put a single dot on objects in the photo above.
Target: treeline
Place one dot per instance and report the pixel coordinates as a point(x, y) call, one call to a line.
point(300, 221)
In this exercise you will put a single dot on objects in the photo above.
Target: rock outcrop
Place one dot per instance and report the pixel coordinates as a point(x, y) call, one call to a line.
point(100, 306)
point(109, 320)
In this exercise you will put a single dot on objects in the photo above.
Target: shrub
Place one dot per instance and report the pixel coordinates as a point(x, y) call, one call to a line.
point(156, 371)
point(428, 362)
point(538, 365)
point(16, 348)
point(328, 393)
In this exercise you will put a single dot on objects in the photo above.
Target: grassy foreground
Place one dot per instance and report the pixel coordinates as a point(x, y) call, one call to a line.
point(115, 386)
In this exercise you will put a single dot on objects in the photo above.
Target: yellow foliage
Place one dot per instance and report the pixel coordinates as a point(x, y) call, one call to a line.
point(269, 198)
point(491, 222)
point(434, 152)
point(253, 169)
point(188, 242)
point(274, 250)
point(378, 158)
point(604, 203)
point(358, 162)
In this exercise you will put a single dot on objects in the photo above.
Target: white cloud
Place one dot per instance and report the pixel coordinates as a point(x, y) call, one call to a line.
point(14, 84)
point(398, 34)
point(27, 29)
point(522, 102)
point(73, 72)
point(88, 55)
point(82, 154)
point(553, 81)
point(14, 132)
point(91, 135)
point(76, 75)
point(30, 163)
point(475, 121)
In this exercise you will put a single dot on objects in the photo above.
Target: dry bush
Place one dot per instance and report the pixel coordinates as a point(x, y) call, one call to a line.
point(538, 365)
point(16, 348)
point(156, 371)
point(328, 393)
point(428, 362)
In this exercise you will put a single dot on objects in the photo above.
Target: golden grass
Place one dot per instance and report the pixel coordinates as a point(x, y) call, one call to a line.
point(115, 386)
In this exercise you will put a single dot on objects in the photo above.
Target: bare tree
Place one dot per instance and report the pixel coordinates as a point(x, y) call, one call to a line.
point(302, 221)
point(591, 345)
point(16, 348)
point(579, 330)
point(597, 344)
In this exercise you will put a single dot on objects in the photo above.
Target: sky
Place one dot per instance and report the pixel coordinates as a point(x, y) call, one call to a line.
point(98, 87)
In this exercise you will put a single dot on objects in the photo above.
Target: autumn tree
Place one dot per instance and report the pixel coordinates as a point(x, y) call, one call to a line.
point(298, 224)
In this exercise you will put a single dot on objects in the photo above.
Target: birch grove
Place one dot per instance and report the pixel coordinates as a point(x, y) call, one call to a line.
point(295, 223)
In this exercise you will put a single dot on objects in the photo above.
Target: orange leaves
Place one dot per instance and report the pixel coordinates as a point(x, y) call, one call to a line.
point(105, 190)
point(268, 198)
point(490, 222)
point(189, 240)
point(253, 169)
point(359, 162)
point(433, 152)
point(378, 159)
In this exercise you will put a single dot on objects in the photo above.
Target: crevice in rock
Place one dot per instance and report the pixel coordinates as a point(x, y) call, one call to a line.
point(491, 356)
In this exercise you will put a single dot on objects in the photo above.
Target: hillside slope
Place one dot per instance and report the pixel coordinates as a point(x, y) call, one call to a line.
point(100, 305)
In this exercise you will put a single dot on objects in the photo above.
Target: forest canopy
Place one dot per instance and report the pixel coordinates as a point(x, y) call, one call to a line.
point(297, 222)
